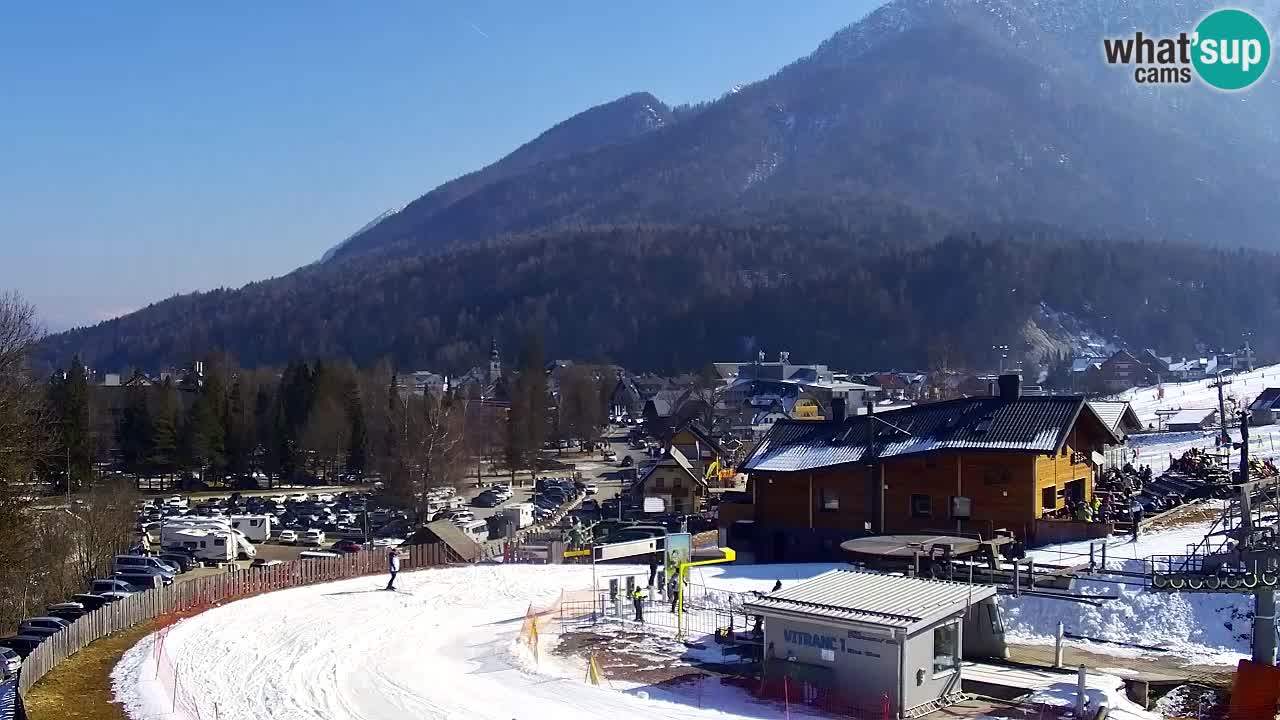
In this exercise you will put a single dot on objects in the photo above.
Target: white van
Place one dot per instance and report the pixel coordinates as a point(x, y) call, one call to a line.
point(257, 528)
point(477, 530)
point(172, 533)
point(214, 546)
point(520, 515)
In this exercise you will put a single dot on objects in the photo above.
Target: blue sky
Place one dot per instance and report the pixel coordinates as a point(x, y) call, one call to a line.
point(149, 148)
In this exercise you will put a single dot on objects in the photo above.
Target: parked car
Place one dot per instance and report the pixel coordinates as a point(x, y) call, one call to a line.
point(40, 632)
point(487, 500)
point(12, 661)
point(289, 537)
point(112, 585)
point(69, 611)
point(90, 601)
point(346, 546)
point(145, 580)
point(21, 644)
point(313, 537)
point(627, 461)
point(47, 623)
point(460, 516)
point(591, 489)
point(130, 563)
point(181, 561)
point(264, 563)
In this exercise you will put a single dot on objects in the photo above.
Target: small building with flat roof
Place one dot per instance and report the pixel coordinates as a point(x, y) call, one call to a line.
point(852, 641)
point(1192, 420)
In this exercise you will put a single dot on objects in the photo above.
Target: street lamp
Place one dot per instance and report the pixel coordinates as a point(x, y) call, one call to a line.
point(1003, 351)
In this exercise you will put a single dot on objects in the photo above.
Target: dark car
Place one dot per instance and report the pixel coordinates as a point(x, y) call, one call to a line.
point(346, 546)
point(487, 500)
point(68, 611)
point(182, 561)
point(21, 644)
point(627, 461)
point(42, 623)
point(90, 601)
point(40, 632)
point(144, 581)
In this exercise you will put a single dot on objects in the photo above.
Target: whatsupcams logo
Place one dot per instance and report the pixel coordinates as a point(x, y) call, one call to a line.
point(1229, 50)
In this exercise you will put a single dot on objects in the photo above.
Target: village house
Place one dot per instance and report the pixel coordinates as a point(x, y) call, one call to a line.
point(674, 480)
point(1122, 371)
point(695, 445)
point(983, 465)
point(1262, 411)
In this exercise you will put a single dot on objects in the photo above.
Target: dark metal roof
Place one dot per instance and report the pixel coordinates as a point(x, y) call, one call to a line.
point(874, 599)
point(1266, 400)
point(1029, 424)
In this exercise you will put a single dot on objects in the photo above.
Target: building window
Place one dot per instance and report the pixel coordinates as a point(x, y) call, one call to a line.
point(921, 506)
point(659, 483)
point(829, 498)
point(1049, 498)
point(945, 650)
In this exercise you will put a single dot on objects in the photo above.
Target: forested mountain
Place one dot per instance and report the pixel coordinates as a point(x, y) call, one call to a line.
point(667, 298)
point(616, 122)
point(974, 110)
point(809, 211)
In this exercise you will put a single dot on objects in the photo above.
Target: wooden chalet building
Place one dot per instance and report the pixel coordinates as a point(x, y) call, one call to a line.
point(674, 480)
point(974, 465)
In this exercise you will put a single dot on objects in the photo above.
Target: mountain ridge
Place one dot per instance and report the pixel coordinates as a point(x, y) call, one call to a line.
point(928, 119)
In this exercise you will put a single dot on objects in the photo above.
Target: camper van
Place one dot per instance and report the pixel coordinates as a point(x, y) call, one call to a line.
point(175, 534)
point(210, 546)
point(257, 528)
point(477, 530)
point(519, 515)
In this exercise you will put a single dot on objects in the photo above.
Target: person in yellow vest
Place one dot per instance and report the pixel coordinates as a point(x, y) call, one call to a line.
point(637, 599)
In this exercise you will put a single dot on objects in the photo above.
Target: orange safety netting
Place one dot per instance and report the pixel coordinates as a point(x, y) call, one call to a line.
point(538, 619)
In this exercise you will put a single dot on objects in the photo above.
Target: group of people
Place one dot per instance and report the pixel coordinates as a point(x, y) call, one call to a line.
point(641, 593)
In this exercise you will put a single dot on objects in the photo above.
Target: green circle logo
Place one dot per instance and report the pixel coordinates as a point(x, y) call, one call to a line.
point(1231, 50)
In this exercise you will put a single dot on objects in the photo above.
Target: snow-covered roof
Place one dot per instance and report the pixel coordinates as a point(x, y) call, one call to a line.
point(1192, 416)
point(873, 599)
point(1118, 415)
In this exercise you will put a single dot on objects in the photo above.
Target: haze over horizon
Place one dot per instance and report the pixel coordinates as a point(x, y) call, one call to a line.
point(163, 150)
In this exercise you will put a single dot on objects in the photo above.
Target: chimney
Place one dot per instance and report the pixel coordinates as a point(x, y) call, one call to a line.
point(837, 410)
point(1010, 387)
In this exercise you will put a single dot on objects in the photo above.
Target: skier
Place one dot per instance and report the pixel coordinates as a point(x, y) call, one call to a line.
point(1136, 515)
point(393, 564)
point(637, 599)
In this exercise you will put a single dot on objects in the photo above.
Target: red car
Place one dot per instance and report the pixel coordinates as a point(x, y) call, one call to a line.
point(346, 546)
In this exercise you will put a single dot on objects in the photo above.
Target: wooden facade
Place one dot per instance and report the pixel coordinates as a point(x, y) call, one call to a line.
point(674, 480)
point(1007, 490)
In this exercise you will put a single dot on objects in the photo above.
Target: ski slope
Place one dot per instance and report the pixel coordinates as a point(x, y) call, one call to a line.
point(1244, 388)
point(441, 647)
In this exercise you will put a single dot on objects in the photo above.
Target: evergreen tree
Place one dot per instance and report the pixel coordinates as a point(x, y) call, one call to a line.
point(204, 433)
point(163, 459)
point(527, 421)
point(266, 423)
point(239, 432)
point(358, 438)
point(135, 430)
point(69, 397)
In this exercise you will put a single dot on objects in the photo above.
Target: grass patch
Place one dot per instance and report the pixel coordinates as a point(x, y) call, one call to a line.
point(80, 688)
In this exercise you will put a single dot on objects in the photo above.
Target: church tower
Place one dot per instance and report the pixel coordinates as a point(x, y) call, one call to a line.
point(495, 362)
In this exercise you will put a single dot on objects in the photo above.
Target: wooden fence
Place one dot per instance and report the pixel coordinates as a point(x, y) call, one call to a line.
point(202, 593)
